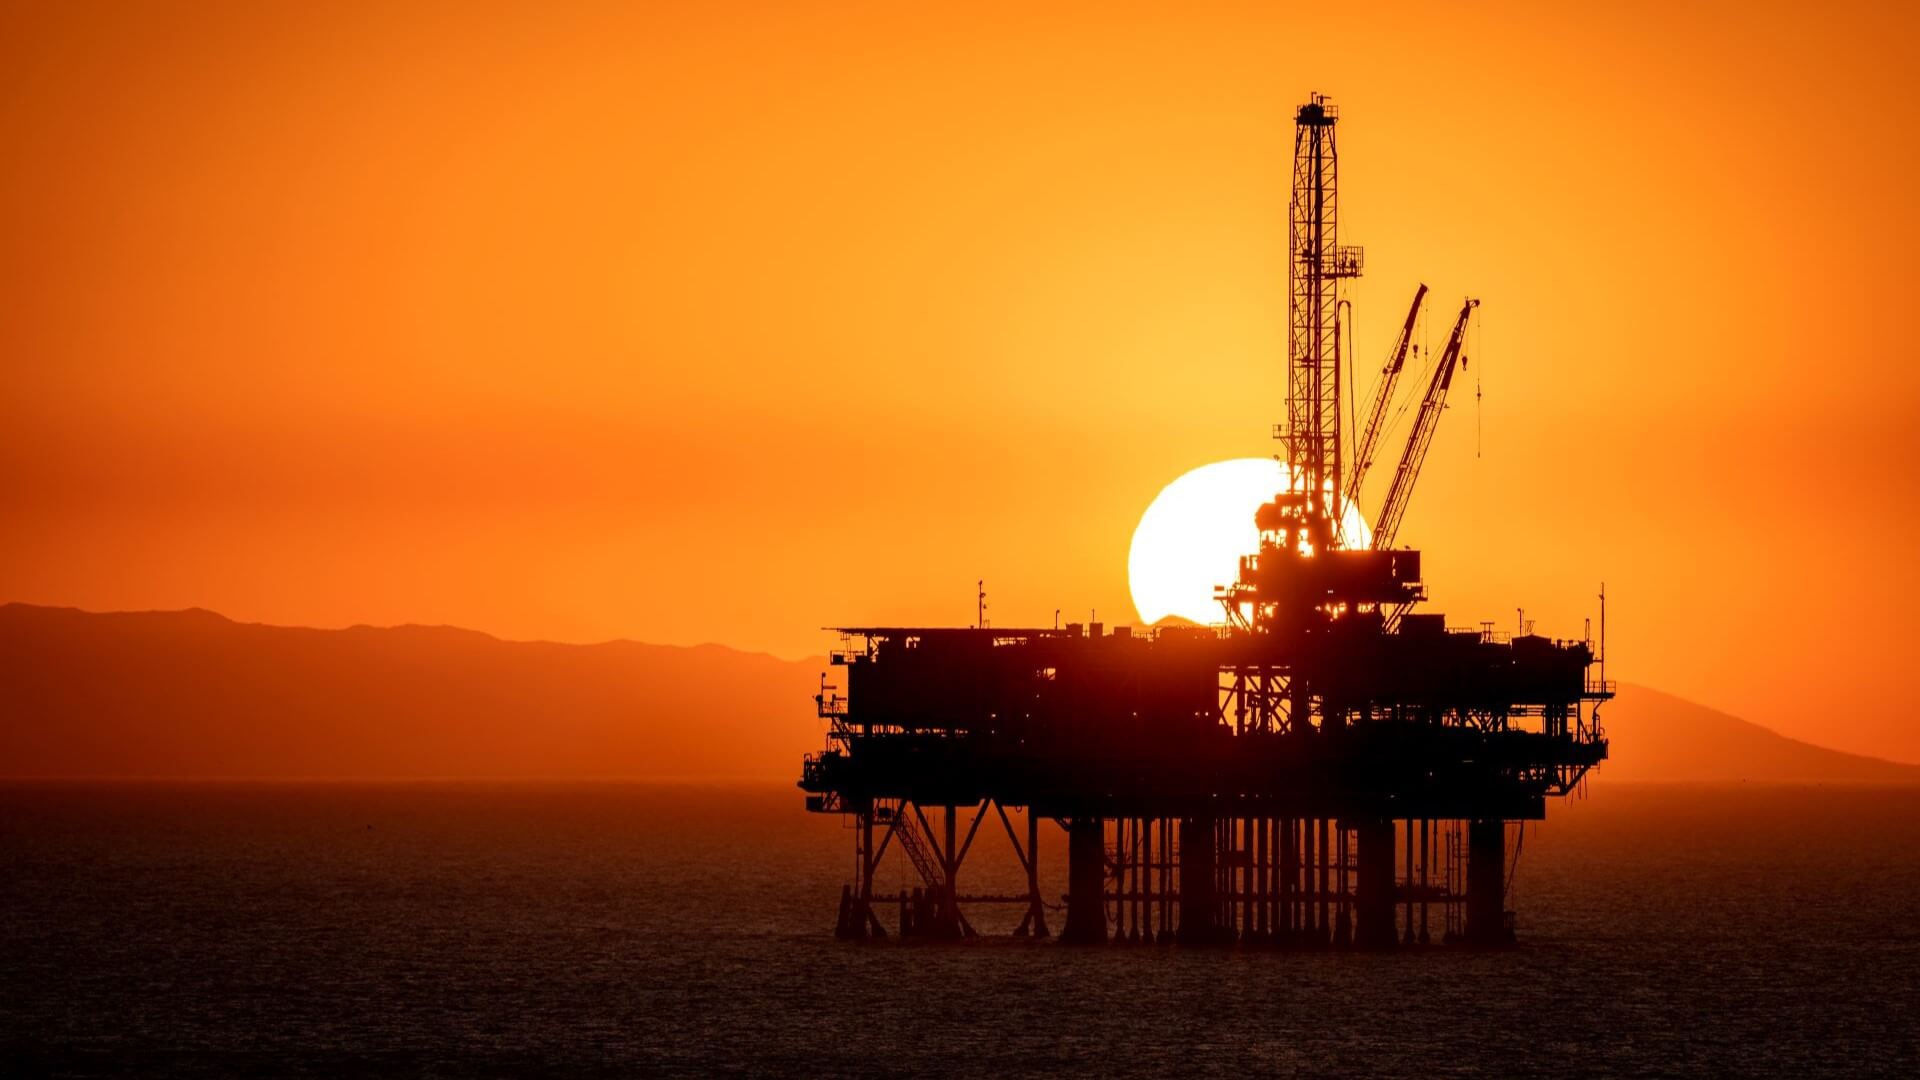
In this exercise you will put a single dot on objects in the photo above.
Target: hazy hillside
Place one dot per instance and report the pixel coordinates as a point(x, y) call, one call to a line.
point(193, 694)
point(1656, 736)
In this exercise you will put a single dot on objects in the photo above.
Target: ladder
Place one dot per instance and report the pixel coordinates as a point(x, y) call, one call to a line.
point(908, 830)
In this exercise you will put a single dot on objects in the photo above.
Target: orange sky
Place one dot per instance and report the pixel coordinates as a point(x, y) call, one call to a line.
point(724, 323)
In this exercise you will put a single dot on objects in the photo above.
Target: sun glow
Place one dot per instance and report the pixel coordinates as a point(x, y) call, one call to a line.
point(1192, 536)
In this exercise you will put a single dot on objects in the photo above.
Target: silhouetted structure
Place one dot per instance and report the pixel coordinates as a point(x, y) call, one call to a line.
point(1324, 768)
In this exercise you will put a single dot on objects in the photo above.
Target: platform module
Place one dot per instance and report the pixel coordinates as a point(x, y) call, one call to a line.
point(1327, 766)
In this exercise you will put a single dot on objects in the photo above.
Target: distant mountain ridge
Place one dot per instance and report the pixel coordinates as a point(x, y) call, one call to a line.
point(1656, 736)
point(194, 695)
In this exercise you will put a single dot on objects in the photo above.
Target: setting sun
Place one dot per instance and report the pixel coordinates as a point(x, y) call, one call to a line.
point(1192, 536)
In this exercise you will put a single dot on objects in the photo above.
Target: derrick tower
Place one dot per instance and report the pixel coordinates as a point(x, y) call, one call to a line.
point(1318, 263)
point(1304, 574)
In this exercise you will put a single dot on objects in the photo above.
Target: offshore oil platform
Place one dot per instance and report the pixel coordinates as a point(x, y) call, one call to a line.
point(1324, 768)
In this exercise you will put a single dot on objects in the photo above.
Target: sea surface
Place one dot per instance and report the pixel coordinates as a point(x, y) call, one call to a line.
point(659, 930)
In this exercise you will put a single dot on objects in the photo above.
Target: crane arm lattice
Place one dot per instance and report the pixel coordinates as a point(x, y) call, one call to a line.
point(1377, 416)
point(1425, 422)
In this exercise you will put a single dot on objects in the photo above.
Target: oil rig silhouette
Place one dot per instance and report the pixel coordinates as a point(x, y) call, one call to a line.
point(1324, 768)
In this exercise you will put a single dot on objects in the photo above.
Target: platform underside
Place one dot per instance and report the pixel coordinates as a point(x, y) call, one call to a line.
point(1322, 788)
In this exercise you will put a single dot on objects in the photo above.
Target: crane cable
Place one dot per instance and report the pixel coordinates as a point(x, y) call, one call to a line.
point(1418, 349)
point(1426, 375)
point(1353, 418)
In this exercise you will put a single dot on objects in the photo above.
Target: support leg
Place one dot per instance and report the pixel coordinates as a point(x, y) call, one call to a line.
point(1086, 882)
point(1166, 880)
point(1197, 926)
point(1035, 907)
point(1486, 883)
point(1260, 867)
point(944, 919)
point(1374, 892)
point(1409, 879)
point(1343, 904)
point(1289, 879)
point(1426, 860)
point(1146, 859)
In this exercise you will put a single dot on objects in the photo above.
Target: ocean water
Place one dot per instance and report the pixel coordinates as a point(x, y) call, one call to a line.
point(682, 930)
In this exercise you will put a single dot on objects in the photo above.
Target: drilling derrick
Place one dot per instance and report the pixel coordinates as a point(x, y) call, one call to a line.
point(1303, 574)
point(1318, 264)
point(1255, 782)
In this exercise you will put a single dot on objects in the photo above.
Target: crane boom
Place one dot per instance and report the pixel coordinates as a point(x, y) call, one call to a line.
point(1377, 417)
point(1424, 424)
